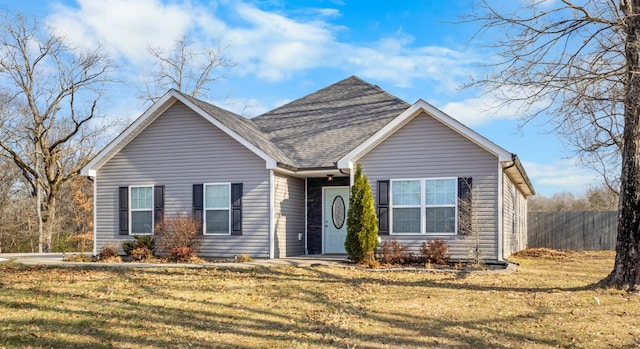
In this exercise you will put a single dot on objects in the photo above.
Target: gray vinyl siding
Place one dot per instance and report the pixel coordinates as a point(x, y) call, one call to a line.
point(514, 218)
point(177, 150)
point(426, 148)
point(289, 216)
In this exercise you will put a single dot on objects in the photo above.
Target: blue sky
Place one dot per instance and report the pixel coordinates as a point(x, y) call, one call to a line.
point(285, 50)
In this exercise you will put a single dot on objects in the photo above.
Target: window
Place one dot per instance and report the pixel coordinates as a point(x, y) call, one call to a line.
point(406, 206)
point(141, 213)
point(420, 206)
point(216, 208)
point(441, 199)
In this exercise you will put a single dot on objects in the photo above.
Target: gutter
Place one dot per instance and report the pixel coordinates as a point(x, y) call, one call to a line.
point(515, 162)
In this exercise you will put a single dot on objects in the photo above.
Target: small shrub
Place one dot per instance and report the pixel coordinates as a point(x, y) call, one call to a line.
point(243, 258)
point(181, 254)
point(392, 252)
point(109, 254)
point(140, 253)
point(177, 231)
point(128, 246)
point(140, 248)
point(435, 251)
point(77, 257)
point(147, 241)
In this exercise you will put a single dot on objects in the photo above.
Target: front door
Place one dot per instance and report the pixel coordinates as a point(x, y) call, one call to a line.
point(336, 206)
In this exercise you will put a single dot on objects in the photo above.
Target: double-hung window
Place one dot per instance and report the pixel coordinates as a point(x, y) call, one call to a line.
point(424, 206)
point(441, 199)
point(405, 198)
point(141, 203)
point(217, 199)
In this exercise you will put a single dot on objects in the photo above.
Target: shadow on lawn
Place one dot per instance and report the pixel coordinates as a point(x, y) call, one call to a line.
point(194, 312)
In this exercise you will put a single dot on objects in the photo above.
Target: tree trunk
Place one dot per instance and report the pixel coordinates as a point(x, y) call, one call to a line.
point(626, 271)
point(48, 221)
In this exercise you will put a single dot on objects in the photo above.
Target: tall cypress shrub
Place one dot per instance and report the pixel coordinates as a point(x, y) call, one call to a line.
point(362, 222)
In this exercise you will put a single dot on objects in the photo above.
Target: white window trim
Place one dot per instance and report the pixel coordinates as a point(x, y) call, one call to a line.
point(423, 207)
point(204, 209)
point(131, 209)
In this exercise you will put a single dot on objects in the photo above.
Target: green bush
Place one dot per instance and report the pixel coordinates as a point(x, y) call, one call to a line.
point(128, 246)
point(140, 253)
point(362, 222)
point(146, 241)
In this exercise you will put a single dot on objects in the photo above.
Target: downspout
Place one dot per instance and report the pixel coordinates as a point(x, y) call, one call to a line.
point(271, 215)
point(95, 215)
point(306, 241)
point(501, 205)
point(513, 162)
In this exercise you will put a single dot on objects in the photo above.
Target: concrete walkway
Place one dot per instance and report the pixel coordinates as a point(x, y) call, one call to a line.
point(56, 259)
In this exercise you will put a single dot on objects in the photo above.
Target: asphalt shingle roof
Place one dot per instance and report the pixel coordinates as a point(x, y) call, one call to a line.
point(317, 130)
point(244, 127)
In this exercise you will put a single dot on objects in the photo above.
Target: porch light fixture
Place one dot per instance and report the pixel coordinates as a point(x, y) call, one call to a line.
point(329, 177)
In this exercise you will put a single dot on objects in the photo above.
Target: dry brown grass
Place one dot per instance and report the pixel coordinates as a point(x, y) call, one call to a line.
point(546, 303)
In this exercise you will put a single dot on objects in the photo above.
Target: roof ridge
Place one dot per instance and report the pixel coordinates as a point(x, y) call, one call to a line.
point(352, 77)
point(316, 129)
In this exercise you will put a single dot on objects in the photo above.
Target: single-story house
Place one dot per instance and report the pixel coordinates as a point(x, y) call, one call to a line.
point(277, 185)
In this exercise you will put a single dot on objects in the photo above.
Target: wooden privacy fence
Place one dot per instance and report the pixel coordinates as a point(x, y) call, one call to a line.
point(583, 230)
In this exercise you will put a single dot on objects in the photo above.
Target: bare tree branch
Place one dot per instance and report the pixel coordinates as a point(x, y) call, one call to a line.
point(52, 91)
point(184, 69)
point(579, 66)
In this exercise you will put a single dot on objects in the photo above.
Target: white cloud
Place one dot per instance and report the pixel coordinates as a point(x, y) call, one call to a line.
point(491, 106)
point(394, 59)
point(125, 28)
point(270, 45)
point(273, 46)
point(560, 175)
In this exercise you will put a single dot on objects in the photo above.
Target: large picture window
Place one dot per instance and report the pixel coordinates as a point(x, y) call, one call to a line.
point(424, 206)
point(217, 198)
point(141, 204)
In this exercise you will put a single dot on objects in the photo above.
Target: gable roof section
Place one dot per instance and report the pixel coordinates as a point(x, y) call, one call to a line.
point(245, 128)
point(237, 127)
point(507, 159)
point(408, 115)
point(318, 129)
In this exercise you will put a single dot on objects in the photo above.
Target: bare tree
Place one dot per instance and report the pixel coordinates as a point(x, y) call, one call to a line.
point(580, 64)
point(51, 91)
point(184, 69)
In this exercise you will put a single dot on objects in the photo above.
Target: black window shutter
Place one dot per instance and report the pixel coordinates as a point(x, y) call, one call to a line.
point(198, 201)
point(383, 207)
point(123, 210)
point(465, 214)
point(158, 203)
point(236, 208)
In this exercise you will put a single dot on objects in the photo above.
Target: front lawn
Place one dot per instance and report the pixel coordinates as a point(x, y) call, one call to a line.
point(548, 302)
